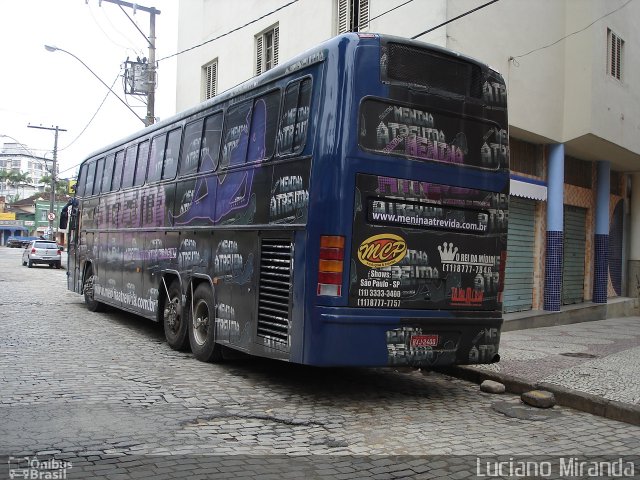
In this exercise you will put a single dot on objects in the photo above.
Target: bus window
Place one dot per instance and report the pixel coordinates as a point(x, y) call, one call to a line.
point(143, 160)
point(210, 150)
point(191, 148)
point(264, 125)
point(98, 181)
point(117, 172)
point(82, 181)
point(171, 155)
point(91, 175)
point(295, 116)
point(108, 173)
point(155, 160)
point(235, 138)
point(129, 167)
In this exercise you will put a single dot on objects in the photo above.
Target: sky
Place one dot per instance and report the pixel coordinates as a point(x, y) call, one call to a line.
point(52, 89)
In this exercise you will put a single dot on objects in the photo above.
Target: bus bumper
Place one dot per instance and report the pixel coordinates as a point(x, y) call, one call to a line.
point(350, 337)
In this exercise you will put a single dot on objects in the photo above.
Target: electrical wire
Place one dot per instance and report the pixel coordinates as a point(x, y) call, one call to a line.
point(227, 33)
point(454, 19)
point(93, 117)
point(569, 35)
point(390, 10)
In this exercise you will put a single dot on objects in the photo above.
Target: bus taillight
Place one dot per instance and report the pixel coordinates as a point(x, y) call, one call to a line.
point(331, 266)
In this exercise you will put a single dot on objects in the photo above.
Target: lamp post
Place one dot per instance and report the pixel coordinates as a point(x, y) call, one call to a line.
point(50, 48)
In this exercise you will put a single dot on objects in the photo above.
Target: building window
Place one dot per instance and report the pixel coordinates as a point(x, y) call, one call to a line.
point(210, 78)
point(267, 50)
point(614, 53)
point(353, 15)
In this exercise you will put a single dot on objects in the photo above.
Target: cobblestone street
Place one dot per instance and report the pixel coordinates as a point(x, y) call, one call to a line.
point(104, 392)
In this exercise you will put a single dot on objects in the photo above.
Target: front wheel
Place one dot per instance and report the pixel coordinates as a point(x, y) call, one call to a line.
point(176, 330)
point(202, 327)
point(88, 288)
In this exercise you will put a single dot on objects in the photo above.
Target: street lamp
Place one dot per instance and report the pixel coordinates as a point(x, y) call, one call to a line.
point(50, 48)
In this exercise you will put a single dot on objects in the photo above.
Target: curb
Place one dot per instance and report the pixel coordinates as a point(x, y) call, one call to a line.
point(567, 397)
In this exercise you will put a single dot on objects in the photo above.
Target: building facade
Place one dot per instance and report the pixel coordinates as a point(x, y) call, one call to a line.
point(15, 158)
point(574, 114)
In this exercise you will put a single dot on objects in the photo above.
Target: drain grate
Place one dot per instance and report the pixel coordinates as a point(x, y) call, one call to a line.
point(579, 355)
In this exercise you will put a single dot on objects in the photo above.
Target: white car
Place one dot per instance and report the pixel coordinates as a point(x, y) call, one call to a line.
point(42, 251)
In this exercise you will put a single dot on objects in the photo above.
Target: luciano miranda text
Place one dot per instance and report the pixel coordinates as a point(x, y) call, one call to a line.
point(565, 467)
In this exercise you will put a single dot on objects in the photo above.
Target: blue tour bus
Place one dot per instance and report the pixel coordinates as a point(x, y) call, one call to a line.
point(348, 207)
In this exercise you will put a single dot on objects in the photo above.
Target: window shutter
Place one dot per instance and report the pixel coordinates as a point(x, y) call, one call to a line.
point(259, 55)
point(343, 16)
point(363, 16)
point(212, 80)
point(275, 45)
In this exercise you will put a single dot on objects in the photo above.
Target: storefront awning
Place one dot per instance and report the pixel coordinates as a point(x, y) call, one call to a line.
point(528, 188)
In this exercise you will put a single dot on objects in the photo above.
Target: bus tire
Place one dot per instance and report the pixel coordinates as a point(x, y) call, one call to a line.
point(92, 304)
point(202, 331)
point(176, 328)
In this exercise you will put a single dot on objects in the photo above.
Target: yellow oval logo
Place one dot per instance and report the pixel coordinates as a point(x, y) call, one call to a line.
point(382, 250)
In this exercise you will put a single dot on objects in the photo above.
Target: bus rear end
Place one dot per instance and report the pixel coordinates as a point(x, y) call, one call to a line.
point(411, 260)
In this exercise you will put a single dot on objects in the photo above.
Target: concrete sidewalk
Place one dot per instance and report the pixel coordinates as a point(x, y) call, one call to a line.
point(592, 366)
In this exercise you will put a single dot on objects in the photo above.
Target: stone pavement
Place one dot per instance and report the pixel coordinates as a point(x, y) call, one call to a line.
point(592, 366)
point(101, 395)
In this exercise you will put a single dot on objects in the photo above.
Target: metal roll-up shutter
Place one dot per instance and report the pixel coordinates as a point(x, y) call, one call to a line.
point(518, 287)
point(574, 249)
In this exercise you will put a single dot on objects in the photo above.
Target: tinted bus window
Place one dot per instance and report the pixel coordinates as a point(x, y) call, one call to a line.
point(91, 175)
point(143, 160)
point(155, 159)
point(210, 151)
point(82, 180)
point(264, 125)
point(235, 138)
point(191, 148)
point(108, 173)
point(171, 155)
point(98, 181)
point(129, 167)
point(117, 172)
point(295, 117)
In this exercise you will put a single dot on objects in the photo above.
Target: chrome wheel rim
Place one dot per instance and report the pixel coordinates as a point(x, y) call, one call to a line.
point(200, 322)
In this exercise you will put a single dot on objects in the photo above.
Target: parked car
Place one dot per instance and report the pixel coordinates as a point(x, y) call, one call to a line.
point(19, 242)
point(42, 251)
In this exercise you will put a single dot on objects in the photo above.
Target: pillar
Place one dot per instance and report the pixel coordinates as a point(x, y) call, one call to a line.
point(634, 240)
point(555, 228)
point(601, 237)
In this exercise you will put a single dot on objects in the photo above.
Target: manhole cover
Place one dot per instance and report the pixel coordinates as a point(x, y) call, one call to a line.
point(579, 355)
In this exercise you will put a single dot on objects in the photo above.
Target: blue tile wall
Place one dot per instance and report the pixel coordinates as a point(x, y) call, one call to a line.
point(553, 271)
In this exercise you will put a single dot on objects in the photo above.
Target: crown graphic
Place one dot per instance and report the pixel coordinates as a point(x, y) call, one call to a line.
point(447, 252)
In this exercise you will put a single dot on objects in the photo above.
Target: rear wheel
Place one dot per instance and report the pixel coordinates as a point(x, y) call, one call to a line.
point(176, 330)
point(88, 289)
point(58, 265)
point(202, 327)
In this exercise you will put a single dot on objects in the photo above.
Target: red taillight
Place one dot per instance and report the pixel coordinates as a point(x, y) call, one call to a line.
point(59, 252)
point(33, 250)
point(330, 266)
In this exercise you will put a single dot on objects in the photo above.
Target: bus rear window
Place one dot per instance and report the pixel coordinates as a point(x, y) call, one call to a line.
point(397, 129)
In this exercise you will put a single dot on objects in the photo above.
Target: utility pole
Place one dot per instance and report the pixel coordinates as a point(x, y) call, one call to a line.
point(52, 206)
point(151, 41)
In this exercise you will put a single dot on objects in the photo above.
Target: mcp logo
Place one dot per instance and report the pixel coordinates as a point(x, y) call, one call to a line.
point(382, 250)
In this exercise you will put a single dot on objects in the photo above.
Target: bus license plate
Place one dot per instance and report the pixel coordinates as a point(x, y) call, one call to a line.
point(424, 341)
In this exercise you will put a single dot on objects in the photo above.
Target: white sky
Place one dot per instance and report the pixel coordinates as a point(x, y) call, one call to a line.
point(38, 87)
